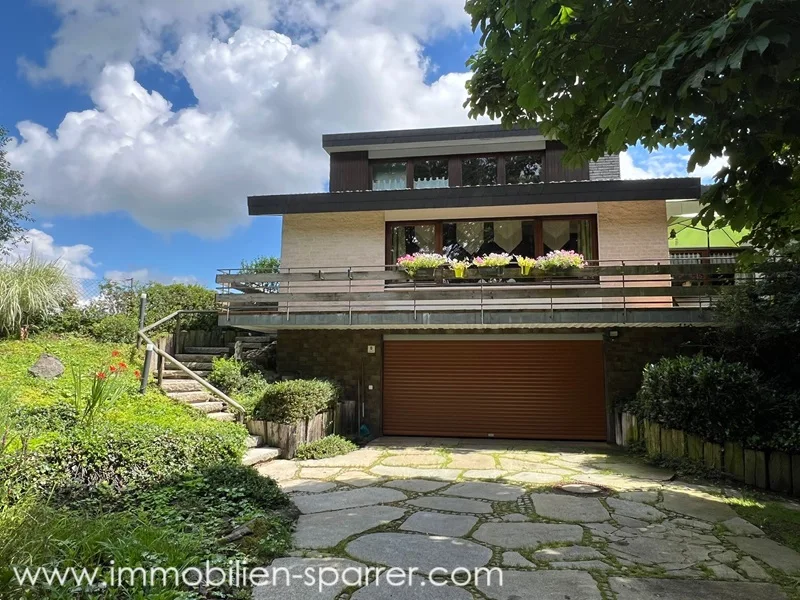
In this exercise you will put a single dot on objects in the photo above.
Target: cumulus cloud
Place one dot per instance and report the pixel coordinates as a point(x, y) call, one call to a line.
point(262, 102)
point(76, 260)
point(636, 163)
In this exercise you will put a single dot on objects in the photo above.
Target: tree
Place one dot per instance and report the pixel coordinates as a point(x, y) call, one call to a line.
point(262, 264)
point(721, 77)
point(13, 198)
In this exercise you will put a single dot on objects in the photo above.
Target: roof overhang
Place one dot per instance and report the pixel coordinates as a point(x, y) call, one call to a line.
point(685, 188)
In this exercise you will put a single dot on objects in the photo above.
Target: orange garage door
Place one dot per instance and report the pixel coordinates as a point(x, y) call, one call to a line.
point(513, 388)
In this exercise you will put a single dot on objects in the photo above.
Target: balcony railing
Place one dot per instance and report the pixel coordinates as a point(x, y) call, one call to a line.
point(603, 292)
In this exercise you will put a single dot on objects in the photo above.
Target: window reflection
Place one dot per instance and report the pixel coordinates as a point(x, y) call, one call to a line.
point(408, 239)
point(480, 170)
point(431, 173)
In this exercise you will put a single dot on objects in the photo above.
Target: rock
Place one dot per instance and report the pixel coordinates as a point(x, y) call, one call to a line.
point(569, 508)
point(515, 559)
point(421, 486)
point(725, 572)
point(318, 472)
point(635, 510)
point(752, 569)
point(582, 489)
point(484, 474)
point(702, 525)
point(263, 359)
point(414, 460)
point(583, 565)
point(703, 507)
point(295, 587)
point(567, 553)
point(643, 497)
point(423, 552)
point(774, 554)
point(452, 504)
point(618, 482)
point(357, 478)
point(413, 588)
point(47, 367)
point(658, 551)
point(676, 589)
point(725, 557)
point(739, 526)
point(526, 535)
point(531, 477)
point(539, 585)
point(499, 492)
point(350, 499)
point(628, 522)
point(471, 461)
point(414, 473)
point(279, 470)
point(325, 530)
point(306, 485)
point(439, 524)
point(515, 517)
point(239, 533)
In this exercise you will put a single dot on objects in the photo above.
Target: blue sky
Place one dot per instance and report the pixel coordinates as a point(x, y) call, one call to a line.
point(142, 126)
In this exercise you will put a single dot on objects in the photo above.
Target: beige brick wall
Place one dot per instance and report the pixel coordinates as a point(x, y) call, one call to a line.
point(632, 230)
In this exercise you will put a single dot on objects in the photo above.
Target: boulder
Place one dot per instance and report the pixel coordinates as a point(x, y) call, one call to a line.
point(262, 359)
point(47, 367)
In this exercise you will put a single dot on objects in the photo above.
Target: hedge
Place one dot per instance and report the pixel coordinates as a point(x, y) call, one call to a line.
point(295, 400)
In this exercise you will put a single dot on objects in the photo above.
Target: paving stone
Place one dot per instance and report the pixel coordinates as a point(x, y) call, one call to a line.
point(294, 587)
point(637, 470)
point(725, 557)
point(705, 507)
point(676, 589)
point(532, 477)
point(500, 492)
point(318, 472)
point(569, 508)
point(752, 569)
point(628, 522)
point(618, 483)
point(406, 550)
point(526, 535)
point(414, 473)
point(422, 486)
point(659, 551)
point(582, 489)
point(471, 460)
point(692, 523)
point(414, 460)
point(725, 573)
point(349, 499)
point(739, 526)
point(357, 478)
point(399, 442)
point(567, 553)
point(483, 474)
point(643, 497)
point(515, 559)
point(306, 485)
point(540, 585)
point(279, 470)
point(515, 517)
point(635, 510)
point(774, 554)
point(440, 524)
point(583, 565)
point(324, 530)
point(413, 588)
point(363, 457)
point(452, 504)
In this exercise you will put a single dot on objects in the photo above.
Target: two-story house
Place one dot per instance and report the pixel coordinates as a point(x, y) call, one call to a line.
point(494, 354)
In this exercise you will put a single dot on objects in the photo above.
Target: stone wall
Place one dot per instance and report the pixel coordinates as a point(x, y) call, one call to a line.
point(605, 168)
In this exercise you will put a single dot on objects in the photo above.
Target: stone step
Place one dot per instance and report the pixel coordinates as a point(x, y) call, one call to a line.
point(254, 441)
point(178, 374)
point(255, 339)
point(222, 416)
point(191, 397)
point(249, 346)
point(208, 407)
point(257, 456)
point(192, 365)
point(213, 350)
point(181, 385)
point(199, 358)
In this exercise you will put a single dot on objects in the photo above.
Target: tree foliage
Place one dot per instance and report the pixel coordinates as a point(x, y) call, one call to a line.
point(13, 198)
point(721, 77)
point(262, 264)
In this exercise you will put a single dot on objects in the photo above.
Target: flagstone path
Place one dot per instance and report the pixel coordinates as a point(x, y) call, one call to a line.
point(423, 504)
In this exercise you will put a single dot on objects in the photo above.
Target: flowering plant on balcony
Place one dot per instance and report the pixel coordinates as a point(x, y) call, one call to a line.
point(525, 263)
point(411, 263)
point(560, 260)
point(460, 267)
point(492, 260)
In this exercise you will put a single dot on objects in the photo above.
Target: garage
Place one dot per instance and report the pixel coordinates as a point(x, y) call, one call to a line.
point(504, 386)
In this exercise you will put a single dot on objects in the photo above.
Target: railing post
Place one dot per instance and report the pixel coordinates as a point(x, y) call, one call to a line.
point(176, 342)
point(142, 312)
point(480, 282)
point(148, 358)
point(288, 291)
point(624, 297)
point(552, 315)
point(349, 294)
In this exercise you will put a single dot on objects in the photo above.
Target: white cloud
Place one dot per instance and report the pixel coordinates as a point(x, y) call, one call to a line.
point(639, 164)
point(46, 225)
point(263, 102)
point(145, 275)
point(76, 260)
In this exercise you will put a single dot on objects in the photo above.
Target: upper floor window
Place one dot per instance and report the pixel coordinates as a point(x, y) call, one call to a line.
point(431, 173)
point(389, 175)
point(524, 168)
point(569, 234)
point(479, 170)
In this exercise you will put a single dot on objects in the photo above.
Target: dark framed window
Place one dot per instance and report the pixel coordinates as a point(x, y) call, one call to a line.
point(408, 238)
point(568, 234)
point(431, 173)
point(479, 170)
point(523, 168)
point(390, 175)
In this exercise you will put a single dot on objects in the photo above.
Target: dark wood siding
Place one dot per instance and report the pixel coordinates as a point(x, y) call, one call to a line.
point(554, 169)
point(534, 389)
point(350, 171)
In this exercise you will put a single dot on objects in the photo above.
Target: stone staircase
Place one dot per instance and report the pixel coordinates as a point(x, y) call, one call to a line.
point(180, 387)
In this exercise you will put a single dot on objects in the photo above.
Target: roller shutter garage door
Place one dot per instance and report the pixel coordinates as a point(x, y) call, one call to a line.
point(518, 387)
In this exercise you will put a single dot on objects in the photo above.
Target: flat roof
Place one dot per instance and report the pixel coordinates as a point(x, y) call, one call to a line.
point(478, 196)
point(340, 142)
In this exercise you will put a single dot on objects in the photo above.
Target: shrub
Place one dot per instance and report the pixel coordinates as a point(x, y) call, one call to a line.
point(717, 400)
point(295, 400)
point(32, 291)
point(116, 328)
point(332, 445)
point(227, 374)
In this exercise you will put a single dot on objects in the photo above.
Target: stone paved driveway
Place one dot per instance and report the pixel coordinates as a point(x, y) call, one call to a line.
point(562, 520)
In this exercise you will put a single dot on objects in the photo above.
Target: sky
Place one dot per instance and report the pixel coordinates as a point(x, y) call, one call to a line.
point(143, 125)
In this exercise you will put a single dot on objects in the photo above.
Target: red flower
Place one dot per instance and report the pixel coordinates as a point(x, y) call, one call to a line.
point(136, 373)
point(123, 366)
point(115, 353)
point(101, 375)
point(112, 368)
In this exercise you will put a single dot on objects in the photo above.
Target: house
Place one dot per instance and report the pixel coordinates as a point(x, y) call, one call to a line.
point(495, 354)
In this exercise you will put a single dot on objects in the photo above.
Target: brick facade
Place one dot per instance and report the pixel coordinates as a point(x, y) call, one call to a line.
point(632, 230)
point(605, 168)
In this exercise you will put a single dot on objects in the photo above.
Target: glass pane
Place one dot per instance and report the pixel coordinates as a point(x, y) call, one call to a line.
point(480, 170)
point(408, 239)
point(524, 168)
point(568, 234)
point(389, 176)
point(467, 239)
point(431, 173)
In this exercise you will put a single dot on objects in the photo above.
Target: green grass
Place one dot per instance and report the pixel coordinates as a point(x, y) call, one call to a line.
point(778, 522)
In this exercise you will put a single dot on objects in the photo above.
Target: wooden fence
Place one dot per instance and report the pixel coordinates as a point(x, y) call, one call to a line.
point(769, 470)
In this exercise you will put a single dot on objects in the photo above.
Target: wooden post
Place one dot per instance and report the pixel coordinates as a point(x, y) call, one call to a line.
point(148, 359)
point(162, 345)
point(142, 313)
point(176, 342)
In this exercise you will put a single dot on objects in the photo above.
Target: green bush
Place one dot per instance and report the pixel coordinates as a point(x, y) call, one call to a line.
point(332, 445)
point(295, 400)
point(717, 400)
point(116, 328)
point(227, 374)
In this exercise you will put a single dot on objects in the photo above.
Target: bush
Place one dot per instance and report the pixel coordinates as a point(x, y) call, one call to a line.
point(332, 445)
point(116, 328)
point(227, 374)
point(717, 400)
point(295, 400)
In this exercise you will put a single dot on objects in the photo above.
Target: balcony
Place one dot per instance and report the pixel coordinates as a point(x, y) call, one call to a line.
point(604, 294)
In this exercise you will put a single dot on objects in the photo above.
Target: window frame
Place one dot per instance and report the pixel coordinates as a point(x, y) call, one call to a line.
point(383, 161)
